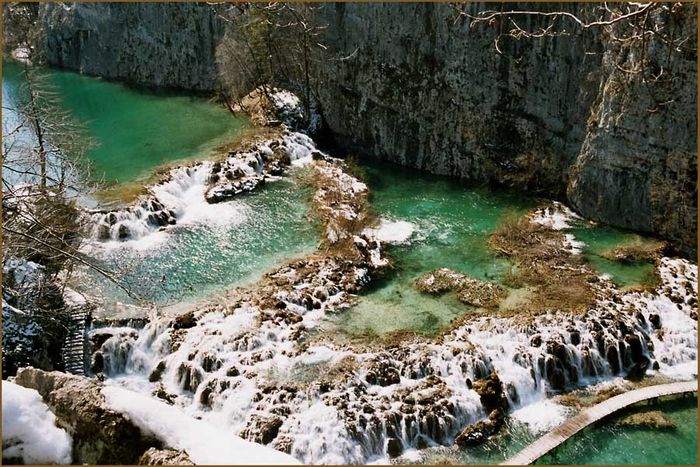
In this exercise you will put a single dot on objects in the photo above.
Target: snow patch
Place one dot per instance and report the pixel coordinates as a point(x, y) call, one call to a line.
point(556, 217)
point(203, 442)
point(29, 428)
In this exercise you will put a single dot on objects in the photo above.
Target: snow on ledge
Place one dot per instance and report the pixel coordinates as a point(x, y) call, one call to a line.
point(556, 217)
point(203, 442)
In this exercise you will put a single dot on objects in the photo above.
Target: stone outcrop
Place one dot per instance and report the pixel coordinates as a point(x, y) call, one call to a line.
point(495, 403)
point(469, 290)
point(419, 86)
point(100, 435)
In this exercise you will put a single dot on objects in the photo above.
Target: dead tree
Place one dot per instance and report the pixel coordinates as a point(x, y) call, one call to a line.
point(627, 26)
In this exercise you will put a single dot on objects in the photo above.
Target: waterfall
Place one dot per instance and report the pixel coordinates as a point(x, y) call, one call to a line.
point(167, 204)
point(250, 376)
point(190, 195)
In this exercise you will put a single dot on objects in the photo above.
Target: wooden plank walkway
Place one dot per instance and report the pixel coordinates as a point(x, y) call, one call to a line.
point(591, 415)
point(74, 346)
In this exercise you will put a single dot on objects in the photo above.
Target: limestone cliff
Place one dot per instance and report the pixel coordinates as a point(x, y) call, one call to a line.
point(418, 86)
point(153, 44)
point(415, 84)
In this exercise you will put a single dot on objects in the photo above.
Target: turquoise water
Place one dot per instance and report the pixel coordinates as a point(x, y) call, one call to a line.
point(599, 239)
point(603, 444)
point(611, 443)
point(452, 224)
point(197, 261)
point(133, 131)
point(136, 132)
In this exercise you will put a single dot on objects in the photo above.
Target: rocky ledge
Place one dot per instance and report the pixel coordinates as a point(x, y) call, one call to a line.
point(100, 435)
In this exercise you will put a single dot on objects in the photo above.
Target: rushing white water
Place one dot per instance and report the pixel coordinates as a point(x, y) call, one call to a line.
point(252, 371)
point(179, 200)
point(220, 370)
point(191, 195)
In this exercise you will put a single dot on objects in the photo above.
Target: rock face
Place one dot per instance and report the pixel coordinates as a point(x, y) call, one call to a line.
point(165, 457)
point(158, 45)
point(421, 88)
point(100, 435)
point(418, 86)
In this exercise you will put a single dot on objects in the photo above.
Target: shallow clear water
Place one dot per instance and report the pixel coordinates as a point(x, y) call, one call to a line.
point(599, 239)
point(452, 223)
point(133, 131)
point(611, 443)
point(194, 261)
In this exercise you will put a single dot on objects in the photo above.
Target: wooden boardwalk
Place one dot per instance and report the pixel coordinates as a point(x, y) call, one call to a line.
point(591, 415)
point(74, 346)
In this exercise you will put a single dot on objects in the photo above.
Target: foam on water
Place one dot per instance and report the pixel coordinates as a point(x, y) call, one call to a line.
point(391, 231)
point(178, 200)
point(541, 416)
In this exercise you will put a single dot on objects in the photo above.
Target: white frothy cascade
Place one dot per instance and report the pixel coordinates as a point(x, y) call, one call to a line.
point(237, 373)
point(182, 198)
point(243, 369)
point(179, 199)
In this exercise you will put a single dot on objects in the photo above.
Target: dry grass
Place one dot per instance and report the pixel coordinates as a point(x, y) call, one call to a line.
point(560, 280)
point(512, 279)
point(643, 251)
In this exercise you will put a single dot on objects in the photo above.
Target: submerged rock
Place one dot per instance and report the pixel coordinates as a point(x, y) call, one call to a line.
point(651, 419)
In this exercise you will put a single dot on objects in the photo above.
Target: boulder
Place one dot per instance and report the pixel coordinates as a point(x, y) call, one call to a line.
point(491, 393)
point(123, 232)
point(100, 435)
point(474, 434)
point(165, 457)
point(394, 448)
point(655, 320)
point(185, 321)
point(383, 373)
point(157, 372)
point(263, 429)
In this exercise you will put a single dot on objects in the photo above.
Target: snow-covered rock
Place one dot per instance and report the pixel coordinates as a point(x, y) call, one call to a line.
point(203, 442)
point(29, 431)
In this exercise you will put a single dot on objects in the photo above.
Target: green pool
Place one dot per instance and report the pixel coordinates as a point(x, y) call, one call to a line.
point(133, 131)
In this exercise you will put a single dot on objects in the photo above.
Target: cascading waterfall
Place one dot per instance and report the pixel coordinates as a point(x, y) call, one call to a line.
point(189, 194)
point(242, 366)
point(227, 369)
point(168, 202)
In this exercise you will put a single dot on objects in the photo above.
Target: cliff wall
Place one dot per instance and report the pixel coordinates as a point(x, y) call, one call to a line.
point(417, 85)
